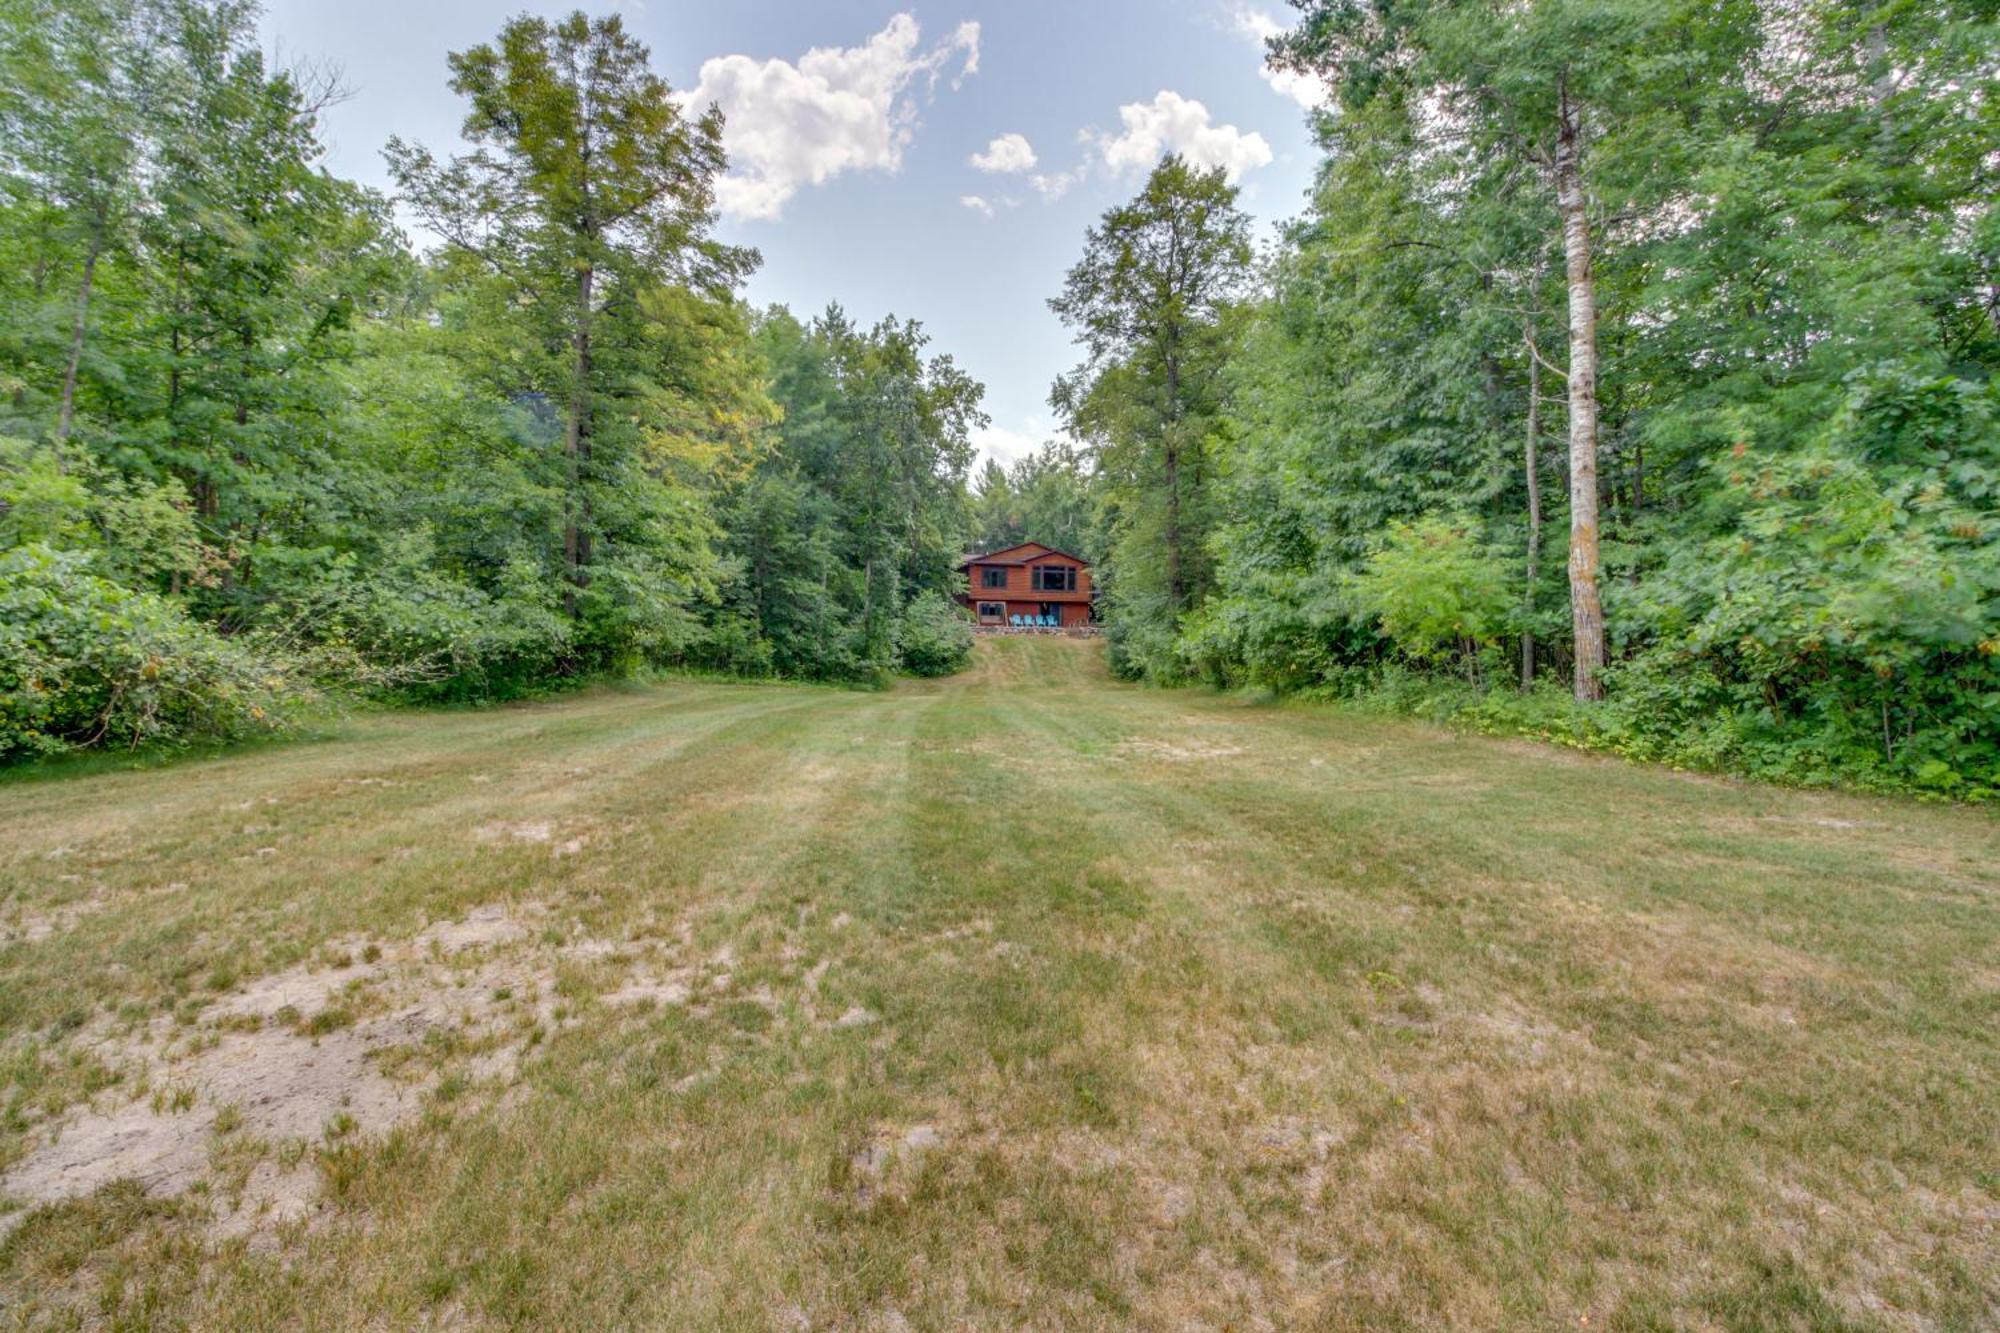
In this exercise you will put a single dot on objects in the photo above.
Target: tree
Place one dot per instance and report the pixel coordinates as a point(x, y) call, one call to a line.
point(857, 507)
point(72, 138)
point(1494, 87)
point(589, 184)
point(1150, 304)
point(1045, 497)
point(74, 125)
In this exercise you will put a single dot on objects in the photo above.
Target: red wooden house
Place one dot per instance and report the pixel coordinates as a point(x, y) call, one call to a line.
point(1029, 586)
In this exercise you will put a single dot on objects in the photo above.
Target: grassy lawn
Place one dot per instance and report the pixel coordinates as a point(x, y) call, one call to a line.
point(1023, 999)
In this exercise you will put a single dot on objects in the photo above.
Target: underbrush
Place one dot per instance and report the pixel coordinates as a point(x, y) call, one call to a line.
point(86, 662)
point(1686, 728)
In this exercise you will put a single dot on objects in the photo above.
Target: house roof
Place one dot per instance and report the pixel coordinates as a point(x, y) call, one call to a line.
point(996, 557)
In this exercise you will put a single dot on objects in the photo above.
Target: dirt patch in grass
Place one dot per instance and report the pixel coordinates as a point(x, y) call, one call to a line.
point(254, 1100)
point(344, 1045)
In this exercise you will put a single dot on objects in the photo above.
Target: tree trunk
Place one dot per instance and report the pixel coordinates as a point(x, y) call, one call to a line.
point(1532, 464)
point(67, 414)
point(1175, 591)
point(1881, 88)
point(1586, 611)
point(576, 448)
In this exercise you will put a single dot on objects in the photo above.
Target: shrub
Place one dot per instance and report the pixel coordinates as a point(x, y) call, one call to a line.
point(84, 661)
point(1434, 589)
point(933, 637)
point(395, 624)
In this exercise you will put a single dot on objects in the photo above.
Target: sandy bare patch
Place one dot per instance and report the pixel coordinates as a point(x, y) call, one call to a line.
point(31, 927)
point(272, 1196)
point(482, 926)
point(887, 1153)
point(300, 1056)
point(283, 1085)
point(673, 989)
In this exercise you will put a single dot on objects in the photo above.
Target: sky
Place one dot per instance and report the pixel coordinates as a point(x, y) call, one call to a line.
point(939, 160)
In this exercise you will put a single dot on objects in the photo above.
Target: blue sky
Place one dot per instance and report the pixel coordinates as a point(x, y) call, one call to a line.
point(854, 129)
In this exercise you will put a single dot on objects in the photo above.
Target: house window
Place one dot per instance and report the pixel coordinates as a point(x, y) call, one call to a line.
point(993, 610)
point(1054, 578)
point(990, 577)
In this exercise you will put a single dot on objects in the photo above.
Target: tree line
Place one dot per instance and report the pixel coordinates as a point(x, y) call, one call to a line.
point(254, 446)
point(1628, 381)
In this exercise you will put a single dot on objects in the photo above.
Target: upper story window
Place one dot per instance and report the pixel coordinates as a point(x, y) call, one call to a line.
point(1053, 578)
point(991, 577)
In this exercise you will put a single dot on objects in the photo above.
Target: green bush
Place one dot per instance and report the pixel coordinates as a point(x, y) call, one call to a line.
point(84, 662)
point(933, 637)
point(1435, 590)
point(396, 625)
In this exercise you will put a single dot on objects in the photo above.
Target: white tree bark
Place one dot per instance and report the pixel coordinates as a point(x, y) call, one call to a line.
point(1586, 610)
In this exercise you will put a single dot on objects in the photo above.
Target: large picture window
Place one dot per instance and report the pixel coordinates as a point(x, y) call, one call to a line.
point(1054, 578)
point(990, 577)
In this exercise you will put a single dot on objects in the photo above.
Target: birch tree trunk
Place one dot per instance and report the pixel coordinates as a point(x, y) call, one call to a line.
point(576, 446)
point(67, 415)
point(1176, 576)
point(1532, 464)
point(1586, 610)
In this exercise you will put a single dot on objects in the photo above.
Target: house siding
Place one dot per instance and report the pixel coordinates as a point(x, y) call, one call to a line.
point(1016, 565)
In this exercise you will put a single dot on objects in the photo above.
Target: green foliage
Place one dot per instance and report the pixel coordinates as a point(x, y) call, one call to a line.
point(1841, 610)
point(1797, 366)
point(1432, 588)
point(934, 637)
point(84, 661)
point(856, 507)
point(1155, 304)
point(142, 532)
point(580, 233)
point(253, 428)
point(1045, 497)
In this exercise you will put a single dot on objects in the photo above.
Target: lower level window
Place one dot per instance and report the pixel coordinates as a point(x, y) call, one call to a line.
point(992, 610)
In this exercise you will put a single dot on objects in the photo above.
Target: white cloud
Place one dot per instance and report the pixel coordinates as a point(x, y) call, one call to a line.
point(1258, 25)
point(1308, 90)
point(1171, 123)
point(838, 109)
point(1005, 446)
point(1054, 186)
point(1006, 155)
point(976, 204)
